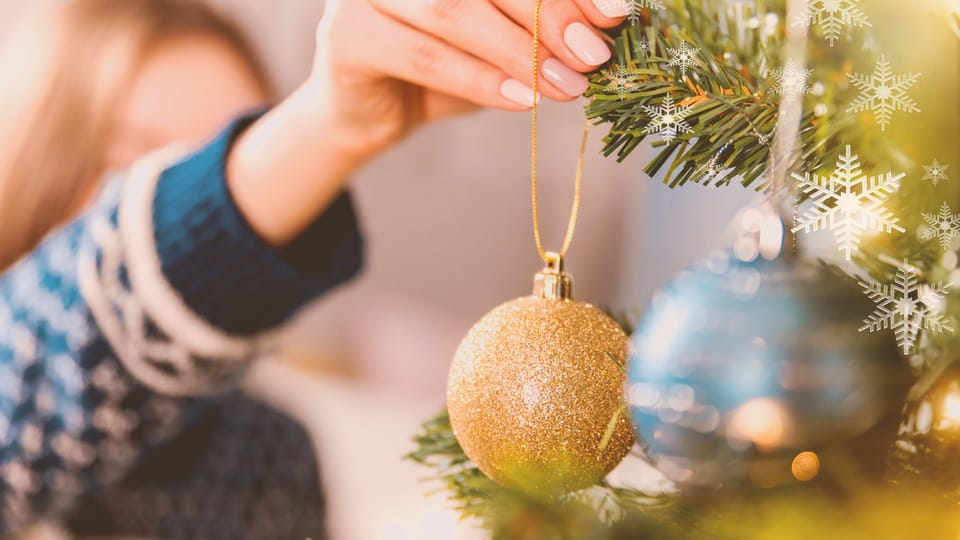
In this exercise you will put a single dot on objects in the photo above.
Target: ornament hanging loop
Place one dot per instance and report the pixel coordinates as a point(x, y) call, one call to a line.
point(554, 262)
point(785, 149)
point(572, 224)
point(552, 283)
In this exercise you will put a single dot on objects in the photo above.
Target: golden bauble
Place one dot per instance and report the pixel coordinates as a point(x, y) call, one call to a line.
point(532, 390)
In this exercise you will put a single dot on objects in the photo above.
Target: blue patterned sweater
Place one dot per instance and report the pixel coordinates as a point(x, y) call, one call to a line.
point(118, 329)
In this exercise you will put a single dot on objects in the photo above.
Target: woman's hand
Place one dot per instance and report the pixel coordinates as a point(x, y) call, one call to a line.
point(385, 67)
point(390, 65)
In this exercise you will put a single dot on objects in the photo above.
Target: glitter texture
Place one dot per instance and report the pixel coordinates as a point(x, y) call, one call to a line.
point(533, 389)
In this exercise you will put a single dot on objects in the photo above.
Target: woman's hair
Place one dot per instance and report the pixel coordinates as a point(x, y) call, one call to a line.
point(62, 74)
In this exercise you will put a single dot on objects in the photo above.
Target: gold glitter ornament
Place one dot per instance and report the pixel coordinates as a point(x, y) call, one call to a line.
point(535, 392)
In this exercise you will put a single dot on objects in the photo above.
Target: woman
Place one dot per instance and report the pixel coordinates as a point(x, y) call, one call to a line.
point(160, 71)
point(100, 83)
point(116, 329)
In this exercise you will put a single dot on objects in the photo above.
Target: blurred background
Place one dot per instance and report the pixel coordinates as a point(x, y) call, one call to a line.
point(448, 229)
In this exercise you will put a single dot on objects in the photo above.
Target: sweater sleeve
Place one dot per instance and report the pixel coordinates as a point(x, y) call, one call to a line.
point(118, 328)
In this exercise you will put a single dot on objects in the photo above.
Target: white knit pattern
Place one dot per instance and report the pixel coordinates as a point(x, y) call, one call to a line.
point(184, 355)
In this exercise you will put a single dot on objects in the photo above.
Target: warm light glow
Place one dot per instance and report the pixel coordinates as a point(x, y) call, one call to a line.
point(950, 416)
point(671, 323)
point(680, 397)
point(953, 16)
point(643, 395)
point(751, 220)
point(771, 238)
point(805, 466)
point(761, 421)
point(746, 248)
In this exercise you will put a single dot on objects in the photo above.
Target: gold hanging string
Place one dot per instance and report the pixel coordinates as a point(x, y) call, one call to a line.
point(572, 225)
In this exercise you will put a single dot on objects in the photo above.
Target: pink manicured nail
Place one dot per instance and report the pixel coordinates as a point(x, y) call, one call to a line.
point(517, 92)
point(613, 8)
point(567, 80)
point(585, 44)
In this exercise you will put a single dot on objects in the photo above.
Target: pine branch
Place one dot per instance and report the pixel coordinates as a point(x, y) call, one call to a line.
point(517, 514)
point(606, 512)
point(730, 113)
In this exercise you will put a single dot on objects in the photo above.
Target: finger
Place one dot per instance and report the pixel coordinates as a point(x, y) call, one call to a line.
point(429, 62)
point(437, 105)
point(564, 29)
point(469, 25)
point(605, 13)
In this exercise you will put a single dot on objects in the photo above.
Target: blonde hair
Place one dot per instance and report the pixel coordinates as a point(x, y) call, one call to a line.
point(62, 72)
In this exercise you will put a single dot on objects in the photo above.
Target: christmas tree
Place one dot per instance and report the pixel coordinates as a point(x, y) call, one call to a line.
point(845, 115)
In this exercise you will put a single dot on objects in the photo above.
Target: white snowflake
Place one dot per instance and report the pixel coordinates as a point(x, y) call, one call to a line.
point(711, 171)
point(832, 16)
point(848, 203)
point(667, 120)
point(883, 93)
point(906, 306)
point(684, 57)
point(621, 80)
point(935, 172)
point(649, 4)
point(870, 44)
point(944, 226)
point(791, 81)
point(632, 8)
point(764, 138)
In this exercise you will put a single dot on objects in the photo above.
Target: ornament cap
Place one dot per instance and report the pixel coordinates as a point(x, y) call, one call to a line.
point(552, 282)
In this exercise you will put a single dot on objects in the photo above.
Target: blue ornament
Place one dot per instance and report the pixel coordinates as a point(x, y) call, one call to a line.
point(748, 371)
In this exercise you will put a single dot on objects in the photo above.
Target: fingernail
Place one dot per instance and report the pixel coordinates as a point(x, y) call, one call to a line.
point(585, 44)
point(567, 80)
point(613, 8)
point(517, 92)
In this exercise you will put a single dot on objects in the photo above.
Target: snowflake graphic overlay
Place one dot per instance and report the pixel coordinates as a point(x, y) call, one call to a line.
point(711, 171)
point(791, 81)
point(621, 80)
point(935, 172)
point(764, 138)
point(637, 5)
point(832, 16)
point(631, 8)
point(684, 57)
point(883, 93)
point(848, 203)
point(667, 120)
point(905, 306)
point(944, 226)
